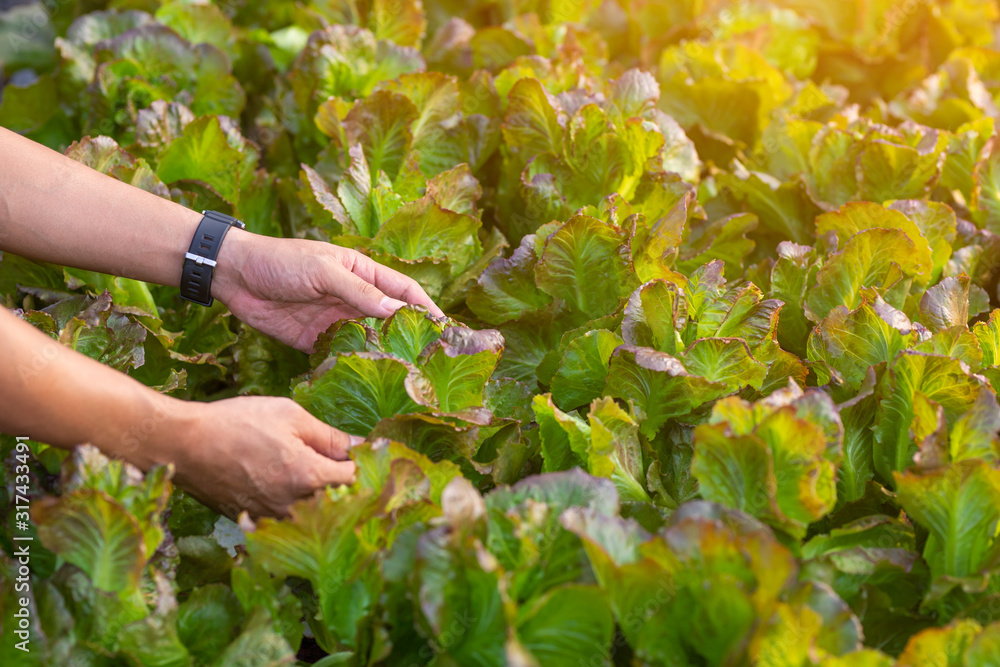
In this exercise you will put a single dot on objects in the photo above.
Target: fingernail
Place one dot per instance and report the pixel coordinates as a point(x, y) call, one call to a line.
point(356, 440)
point(391, 304)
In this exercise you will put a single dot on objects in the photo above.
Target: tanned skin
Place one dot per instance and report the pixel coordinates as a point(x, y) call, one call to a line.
point(257, 454)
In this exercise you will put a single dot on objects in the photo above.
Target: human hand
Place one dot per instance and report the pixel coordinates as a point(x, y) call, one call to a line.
point(254, 453)
point(294, 289)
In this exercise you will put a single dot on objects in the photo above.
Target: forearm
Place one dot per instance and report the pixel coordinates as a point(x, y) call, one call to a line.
point(57, 396)
point(55, 209)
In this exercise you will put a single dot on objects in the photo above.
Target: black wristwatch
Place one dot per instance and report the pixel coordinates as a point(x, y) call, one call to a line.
point(199, 261)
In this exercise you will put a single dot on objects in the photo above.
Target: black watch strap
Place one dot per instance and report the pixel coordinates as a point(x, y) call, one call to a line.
point(199, 261)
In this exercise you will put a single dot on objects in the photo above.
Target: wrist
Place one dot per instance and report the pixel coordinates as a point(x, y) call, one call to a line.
point(154, 432)
point(233, 254)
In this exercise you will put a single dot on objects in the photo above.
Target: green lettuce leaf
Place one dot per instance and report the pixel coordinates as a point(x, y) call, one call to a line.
point(586, 264)
point(381, 124)
point(353, 392)
point(506, 290)
point(615, 451)
point(958, 504)
point(856, 217)
point(659, 385)
point(345, 61)
point(532, 125)
point(422, 229)
point(525, 534)
point(900, 164)
point(561, 624)
point(209, 620)
point(153, 62)
point(319, 544)
point(946, 304)
point(875, 258)
point(565, 437)
point(792, 274)
point(847, 343)
point(93, 531)
point(209, 152)
point(407, 332)
point(703, 579)
point(259, 643)
point(583, 369)
point(655, 315)
point(950, 643)
point(458, 364)
point(154, 640)
point(724, 361)
point(916, 377)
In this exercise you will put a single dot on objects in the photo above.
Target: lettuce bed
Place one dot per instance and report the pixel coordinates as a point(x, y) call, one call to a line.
point(718, 385)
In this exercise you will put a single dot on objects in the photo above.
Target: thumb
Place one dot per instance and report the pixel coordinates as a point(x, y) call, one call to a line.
point(363, 296)
point(326, 471)
point(326, 440)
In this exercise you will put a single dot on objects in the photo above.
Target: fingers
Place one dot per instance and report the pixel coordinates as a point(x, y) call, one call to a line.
point(311, 473)
point(326, 471)
point(393, 283)
point(326, 440)
point(362, 295)
point(266, 453)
